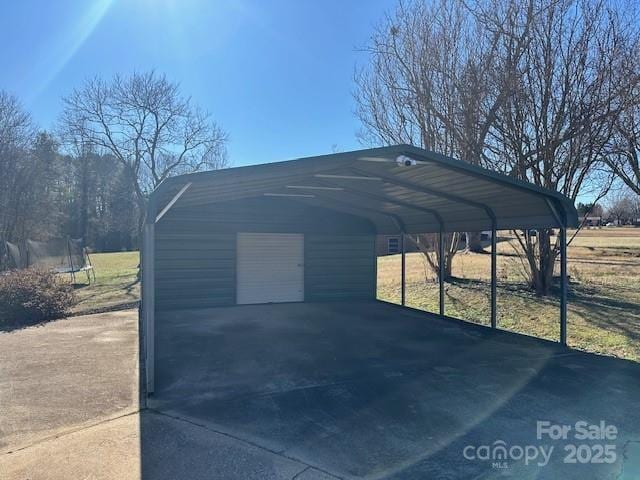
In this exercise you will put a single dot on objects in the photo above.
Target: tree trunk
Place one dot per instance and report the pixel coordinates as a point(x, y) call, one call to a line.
point(548, 255)
point(541, 257)
point(141, 200)
point(448, 264)
point(427, 244)
point(474, 242)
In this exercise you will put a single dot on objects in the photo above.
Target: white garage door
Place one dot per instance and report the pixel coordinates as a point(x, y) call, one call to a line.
point(270, 267)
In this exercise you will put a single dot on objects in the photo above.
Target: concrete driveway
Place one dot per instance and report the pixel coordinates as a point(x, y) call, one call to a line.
point(68, 373)
point(372, 390)
point(301, 391)
point(69, 409)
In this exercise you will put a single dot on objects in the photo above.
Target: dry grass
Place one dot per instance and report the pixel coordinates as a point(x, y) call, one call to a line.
point(604, 300)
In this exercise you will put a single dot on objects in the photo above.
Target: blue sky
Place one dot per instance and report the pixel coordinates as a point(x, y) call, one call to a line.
point(278, 75)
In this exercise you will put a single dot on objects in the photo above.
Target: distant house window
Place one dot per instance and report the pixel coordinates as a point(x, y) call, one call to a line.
point(393, 245)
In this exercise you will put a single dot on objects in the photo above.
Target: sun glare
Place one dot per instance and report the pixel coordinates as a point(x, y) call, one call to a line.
point(71, 41)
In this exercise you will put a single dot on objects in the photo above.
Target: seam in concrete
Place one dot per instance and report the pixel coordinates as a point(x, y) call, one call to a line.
point(177, 418)
point(280, 453)
point(297, 475)
point(68, 432)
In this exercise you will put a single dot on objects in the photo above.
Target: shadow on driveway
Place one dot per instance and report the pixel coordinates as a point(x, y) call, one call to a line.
point(374, 391)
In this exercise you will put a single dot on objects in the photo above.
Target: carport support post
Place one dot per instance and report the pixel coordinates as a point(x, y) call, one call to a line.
point(564, 285)
point(403, 272)
point(494, 278)
point(148, 297)
point(441, 269)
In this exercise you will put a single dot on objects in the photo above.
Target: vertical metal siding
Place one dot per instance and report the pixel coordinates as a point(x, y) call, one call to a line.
point(195, 269)
point(339, 267)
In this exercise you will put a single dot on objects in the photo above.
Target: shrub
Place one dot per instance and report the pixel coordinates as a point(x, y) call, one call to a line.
point(31, 296)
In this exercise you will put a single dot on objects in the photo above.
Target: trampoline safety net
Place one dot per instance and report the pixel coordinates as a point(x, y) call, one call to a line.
point(60, 255)
point(13, 257)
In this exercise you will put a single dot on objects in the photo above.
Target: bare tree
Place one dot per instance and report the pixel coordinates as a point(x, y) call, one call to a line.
point(532, 89)
point(572, 86)
point(623, 207)
point(438, 78)
point(28, 175)
point(16, 133)
point(428, 245)
point(145, 122)
point(624, 155)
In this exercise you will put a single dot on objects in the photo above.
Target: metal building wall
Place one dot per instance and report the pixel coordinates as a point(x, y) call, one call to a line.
point(339, 267)
point(195, 251)
point(195, 267)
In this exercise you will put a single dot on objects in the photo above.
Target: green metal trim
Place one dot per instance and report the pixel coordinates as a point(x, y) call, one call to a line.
point(441, 271)
point(564, 286)
point(494, 277)
point(403, 270)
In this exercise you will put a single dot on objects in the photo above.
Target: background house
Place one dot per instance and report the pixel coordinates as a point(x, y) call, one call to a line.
point(391, 245)
point(595, 221)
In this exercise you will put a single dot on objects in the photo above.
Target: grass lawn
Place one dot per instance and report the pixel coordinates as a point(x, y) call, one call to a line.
point(604, 299)
point(116, 282)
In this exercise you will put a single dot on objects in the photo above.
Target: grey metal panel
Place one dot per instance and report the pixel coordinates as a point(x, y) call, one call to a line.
point(194, 268)
point(265, 215)
point(339, 267)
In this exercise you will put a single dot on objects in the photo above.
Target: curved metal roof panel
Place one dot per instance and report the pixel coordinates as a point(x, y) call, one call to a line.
point(397, 188)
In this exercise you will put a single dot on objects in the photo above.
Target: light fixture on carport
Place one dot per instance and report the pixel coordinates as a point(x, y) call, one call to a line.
point(401, 160)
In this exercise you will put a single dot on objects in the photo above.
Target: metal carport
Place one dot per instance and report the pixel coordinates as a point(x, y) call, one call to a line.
point(395, 190)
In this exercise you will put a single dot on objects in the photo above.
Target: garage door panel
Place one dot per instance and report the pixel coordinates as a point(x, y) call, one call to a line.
point(270, 268)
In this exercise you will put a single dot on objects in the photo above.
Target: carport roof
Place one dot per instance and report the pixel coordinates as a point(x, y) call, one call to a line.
point(432, 192)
